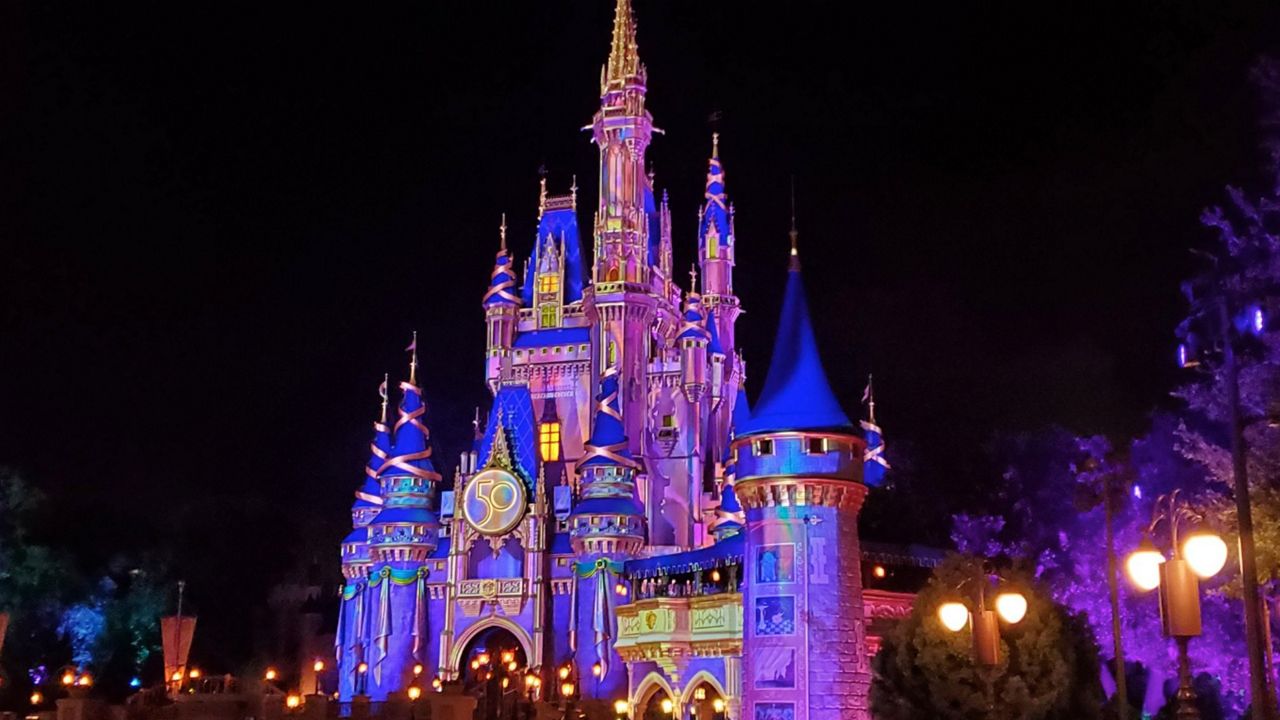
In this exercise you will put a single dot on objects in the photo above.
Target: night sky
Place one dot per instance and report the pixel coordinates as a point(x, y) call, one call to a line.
point(220, 222)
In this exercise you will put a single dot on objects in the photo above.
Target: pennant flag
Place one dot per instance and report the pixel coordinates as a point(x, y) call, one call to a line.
point(874, 463)
point(413, 344)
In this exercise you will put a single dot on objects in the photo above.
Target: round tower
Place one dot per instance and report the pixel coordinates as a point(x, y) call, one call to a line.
point(799, 480)
point(606, 528)
point(401, 537)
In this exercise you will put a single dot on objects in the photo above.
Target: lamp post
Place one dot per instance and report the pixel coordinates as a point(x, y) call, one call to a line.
point(1201, 556)
point(1010, 606)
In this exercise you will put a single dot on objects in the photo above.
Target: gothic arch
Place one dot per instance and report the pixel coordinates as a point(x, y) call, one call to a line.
point(460, 643)
point(700, 677)
point(652, 681)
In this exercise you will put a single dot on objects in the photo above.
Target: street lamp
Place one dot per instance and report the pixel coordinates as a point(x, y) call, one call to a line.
point(1011, 607)
point(1202, 556)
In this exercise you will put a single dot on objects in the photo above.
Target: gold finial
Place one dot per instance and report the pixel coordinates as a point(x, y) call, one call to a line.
point(624, 57)
point(573, 191)
point(413, 359)
point(871, 401)
point(715, 145)
point(542, 195)
point(693, 278)
point(502, 234)
point(382, 391)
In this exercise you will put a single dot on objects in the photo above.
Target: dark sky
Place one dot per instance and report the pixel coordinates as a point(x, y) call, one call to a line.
point(221, 221)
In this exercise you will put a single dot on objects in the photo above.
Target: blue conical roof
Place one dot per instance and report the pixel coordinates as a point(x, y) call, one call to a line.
point(411, 453)
point(715, 212)
point(502, 282)
point(370, 493)
point(796, 393)
point(714, 344)
point(608, 442)
point(741, 411)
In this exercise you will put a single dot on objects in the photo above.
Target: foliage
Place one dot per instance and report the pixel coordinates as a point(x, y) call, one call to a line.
point(1047, 670)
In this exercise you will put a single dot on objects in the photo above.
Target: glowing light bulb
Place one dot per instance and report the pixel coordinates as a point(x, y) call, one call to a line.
point(566, 689)
point(175, 677)
point(1206, 553)
point(954, 616)
point(415, 692)
point(717, 705)
point(1012, 607)
point(271, 673)
point(194, 674)
point(37, 697)
point(318, 666)
point(597, 669)
point(620, 707)
point(511, 666)
point(879, 571)
point(362, 668)
point(564, 672)
point(507, 656)
point(293, 702)
point(1143, 566)
point(667, 705)
point(68, 678)
point(417, 670)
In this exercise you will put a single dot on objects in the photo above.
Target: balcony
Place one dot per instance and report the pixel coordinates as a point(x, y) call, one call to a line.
point(671, 630)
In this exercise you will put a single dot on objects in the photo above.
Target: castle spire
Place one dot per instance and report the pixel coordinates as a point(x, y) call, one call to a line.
point(796, 395)
point(624, 54)
point(502, 280)
point(413, 359)
point(794, 234)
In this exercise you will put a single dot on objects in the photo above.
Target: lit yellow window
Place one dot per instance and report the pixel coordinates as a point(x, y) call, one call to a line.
point(548, 282)
point(548, 317)
point(549, 441)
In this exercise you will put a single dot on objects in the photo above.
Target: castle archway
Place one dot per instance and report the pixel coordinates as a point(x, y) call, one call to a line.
point(501, 634)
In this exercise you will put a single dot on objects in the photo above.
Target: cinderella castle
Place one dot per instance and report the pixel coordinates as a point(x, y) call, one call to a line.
point(626, 529)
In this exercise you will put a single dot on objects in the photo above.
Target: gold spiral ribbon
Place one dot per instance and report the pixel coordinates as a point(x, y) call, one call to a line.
point(411, 418)
point(609, 452)
point(502, 290)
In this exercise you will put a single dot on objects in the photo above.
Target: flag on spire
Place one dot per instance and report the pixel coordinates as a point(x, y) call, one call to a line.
point(874, 463)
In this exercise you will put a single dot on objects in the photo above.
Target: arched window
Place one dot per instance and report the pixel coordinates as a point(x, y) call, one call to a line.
point(549, 441)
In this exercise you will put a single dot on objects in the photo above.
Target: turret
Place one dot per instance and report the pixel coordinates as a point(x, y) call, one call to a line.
point(717, 247)
point(607, 519)
point(799, 479)
point(368, 502)
point(501, 307)
point(693, 340)
point(405, 531)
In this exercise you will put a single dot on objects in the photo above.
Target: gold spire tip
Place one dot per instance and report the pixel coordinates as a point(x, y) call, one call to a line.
point(715, 144)
point(502, 233)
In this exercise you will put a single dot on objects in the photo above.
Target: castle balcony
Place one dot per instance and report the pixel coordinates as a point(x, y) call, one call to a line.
point(672, 630)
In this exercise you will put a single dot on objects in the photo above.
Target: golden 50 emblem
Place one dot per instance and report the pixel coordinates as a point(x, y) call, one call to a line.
point(493, 502)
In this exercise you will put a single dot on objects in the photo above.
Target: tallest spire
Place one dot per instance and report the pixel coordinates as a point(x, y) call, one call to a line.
point(624, 54)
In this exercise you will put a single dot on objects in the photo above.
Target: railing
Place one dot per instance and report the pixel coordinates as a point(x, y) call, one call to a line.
point(670, 628)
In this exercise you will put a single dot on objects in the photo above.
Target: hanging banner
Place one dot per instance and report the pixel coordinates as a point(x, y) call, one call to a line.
point(176, 633)
point(4, 627)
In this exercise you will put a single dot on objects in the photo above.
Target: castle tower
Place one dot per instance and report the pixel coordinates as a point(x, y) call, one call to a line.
point(501, 305)
point(351, 639)
point(619, 303)
point(401, 537)
point(606, 528)
point(716, 249)
point(799, 478)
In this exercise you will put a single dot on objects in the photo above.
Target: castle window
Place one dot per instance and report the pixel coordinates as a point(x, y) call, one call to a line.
point(548, 317)
point(549, 441)
point(713, 247)
point(548, 282)
point(764, 447)
point(816, 446)
point(668, 421)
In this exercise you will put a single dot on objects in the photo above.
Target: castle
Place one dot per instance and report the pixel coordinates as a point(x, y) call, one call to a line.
point(625, 522)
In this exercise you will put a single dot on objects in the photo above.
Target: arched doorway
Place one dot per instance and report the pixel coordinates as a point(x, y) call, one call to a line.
point(656, 700)
point(492, 667)
point(704, 700)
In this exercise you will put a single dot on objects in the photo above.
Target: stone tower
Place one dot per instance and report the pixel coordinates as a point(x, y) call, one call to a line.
point(799, 479)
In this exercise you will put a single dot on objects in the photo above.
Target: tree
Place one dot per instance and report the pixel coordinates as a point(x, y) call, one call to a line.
point(1048, 667)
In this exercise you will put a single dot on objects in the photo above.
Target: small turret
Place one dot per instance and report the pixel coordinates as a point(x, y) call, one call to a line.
point(368, 502)
point(717, 248)
point(406, 529)
point(607, 519)
point(693, 340)
point(501, 307)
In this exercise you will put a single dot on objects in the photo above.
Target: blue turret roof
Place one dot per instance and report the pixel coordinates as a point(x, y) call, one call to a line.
point(796, 393)
point(370, 493)
point(741, 410)
point(715, 212)
point(654, 221)
point(714, 344)
point(693, 328)
point(411, 453)
point(729, 515)
point(558, 222)
point(502, 282)
point(608, 442)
